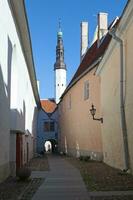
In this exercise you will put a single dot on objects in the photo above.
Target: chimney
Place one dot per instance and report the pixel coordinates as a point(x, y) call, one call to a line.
point(84, 39)
point(102, 25)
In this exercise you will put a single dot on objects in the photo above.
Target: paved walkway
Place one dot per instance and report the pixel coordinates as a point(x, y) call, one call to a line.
point(62, 182)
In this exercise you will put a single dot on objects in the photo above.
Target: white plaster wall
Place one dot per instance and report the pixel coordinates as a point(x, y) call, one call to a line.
point(4, 92)
point(12, 153)
point(60, 83)
point(17, 102)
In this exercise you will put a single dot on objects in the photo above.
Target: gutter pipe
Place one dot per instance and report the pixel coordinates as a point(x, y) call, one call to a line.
point(122, 103)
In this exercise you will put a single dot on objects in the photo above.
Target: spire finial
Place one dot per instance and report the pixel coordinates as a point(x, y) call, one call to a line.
point(59, 24)
point(59, 31)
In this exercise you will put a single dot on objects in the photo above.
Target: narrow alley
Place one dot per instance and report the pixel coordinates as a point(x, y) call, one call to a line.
point(66, 102)
point(62, 182)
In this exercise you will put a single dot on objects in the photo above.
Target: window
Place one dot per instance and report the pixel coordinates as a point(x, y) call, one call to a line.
point(46, 126)
point(49, 126)
point(86, 90)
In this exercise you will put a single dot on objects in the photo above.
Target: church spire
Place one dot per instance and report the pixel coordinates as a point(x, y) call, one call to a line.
point(59, 64)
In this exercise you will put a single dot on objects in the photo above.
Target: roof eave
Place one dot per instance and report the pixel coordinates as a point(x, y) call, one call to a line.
point(93, 65)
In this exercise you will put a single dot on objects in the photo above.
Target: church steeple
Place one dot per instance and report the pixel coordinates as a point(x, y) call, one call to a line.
point(59, 66)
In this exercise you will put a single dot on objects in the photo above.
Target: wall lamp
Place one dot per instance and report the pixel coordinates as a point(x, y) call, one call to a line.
point(93, 112)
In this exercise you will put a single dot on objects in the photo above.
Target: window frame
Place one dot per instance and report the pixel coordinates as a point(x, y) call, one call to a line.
point(86, 90)
point(50, 127)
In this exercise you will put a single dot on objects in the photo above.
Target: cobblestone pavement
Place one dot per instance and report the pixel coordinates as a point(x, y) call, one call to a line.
point(11, 188)
point(113, 198)
point(63, 182)
point(104, 182)
point(31, 189)
point(39, 164)
point(111, 195)
point(14, 189)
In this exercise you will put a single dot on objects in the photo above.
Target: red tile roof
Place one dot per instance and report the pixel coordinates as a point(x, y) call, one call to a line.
point(92, 55)
point(48, 106)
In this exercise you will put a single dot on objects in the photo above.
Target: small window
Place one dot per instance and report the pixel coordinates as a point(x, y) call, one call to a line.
point(49, 126)
point(58, 84)
point(46, 126)
point(62, 84)
point(86, 90)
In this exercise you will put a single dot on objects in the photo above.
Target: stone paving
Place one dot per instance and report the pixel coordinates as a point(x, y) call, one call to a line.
point(62, 182)
point(111, 195)
point(31, 189)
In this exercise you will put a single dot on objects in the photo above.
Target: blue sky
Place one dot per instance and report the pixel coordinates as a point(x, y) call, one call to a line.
point(43, 18)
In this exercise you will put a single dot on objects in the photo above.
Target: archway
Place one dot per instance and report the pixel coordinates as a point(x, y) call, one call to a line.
point(48, 146)
point(51, 145)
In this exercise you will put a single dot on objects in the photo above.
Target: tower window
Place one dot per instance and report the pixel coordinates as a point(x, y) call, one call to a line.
point(62, 84)
point(58, 84)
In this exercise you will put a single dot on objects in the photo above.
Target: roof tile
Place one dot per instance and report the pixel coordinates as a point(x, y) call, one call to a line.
point(48, 106)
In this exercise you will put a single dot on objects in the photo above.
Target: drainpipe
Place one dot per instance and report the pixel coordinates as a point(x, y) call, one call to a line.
point(122, 103)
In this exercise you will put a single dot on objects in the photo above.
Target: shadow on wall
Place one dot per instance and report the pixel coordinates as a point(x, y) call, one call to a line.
point(34, 128)
point(4, 101)
point(17, 124)
point(5, 93)
point(9, 63)
point(18, 119)
point(4, 128)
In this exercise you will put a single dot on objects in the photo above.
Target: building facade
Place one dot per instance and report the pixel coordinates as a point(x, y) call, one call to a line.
point(116, 72)
point(19, 99)
point(47, 125)
point(79, 134)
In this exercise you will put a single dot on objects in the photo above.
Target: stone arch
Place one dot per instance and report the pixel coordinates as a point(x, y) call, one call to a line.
point(54, 145)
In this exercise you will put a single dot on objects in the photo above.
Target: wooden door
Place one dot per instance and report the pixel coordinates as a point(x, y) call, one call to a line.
point(19, 151)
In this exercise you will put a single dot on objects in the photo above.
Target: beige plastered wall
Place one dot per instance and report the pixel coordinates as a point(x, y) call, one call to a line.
point(79, 134)
point(110, 102)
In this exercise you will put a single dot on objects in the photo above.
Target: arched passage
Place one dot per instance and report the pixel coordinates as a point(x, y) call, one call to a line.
point(51, 145)
point(48, 146)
